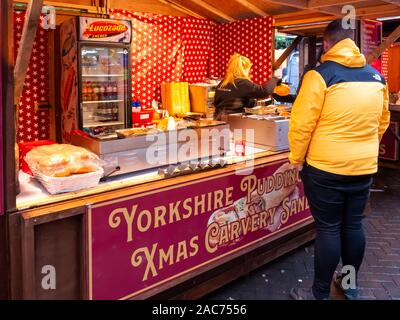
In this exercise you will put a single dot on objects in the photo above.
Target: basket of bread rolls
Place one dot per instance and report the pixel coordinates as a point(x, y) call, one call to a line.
point(64, 168)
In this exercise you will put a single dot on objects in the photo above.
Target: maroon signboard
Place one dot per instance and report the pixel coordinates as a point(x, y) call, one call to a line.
point(139, 242)
point(1, 143)
point(370, 38)
point(389, 147)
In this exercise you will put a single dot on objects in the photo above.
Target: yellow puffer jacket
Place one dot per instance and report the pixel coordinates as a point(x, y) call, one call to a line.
point(340, 114)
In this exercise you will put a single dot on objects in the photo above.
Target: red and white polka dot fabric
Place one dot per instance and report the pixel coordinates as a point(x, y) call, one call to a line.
point(33, 125)
point(251, 38)
point(197, 49)
point(165, 49)
point(385, 64)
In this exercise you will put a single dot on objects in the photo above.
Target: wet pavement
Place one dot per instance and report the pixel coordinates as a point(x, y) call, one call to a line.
point(379, 276)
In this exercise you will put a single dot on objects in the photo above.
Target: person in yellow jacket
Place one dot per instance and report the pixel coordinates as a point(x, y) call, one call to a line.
point(337, 122)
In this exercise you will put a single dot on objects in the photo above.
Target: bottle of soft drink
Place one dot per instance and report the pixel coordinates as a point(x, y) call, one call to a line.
point(110, 112)
point(84, 91)
point(100, 111)
point(89, 91)
point(96, 91)
point(116, 111)
point(109, 90)
point(114, 90)
point(102, 91)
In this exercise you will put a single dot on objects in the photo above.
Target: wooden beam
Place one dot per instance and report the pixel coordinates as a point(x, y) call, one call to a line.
point(248, 5)
point(311, 30)
point(395, 2)
point(330, 3)
point(64, 4)
point(376, 10)
point(392, 38)
point(181, 8)
point(8, 116)
point(212, 9)
point(287, 52)
point(25, 47)
point(302, 20)
point(303, 4)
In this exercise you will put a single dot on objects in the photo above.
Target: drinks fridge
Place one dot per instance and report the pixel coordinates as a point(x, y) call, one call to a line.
point(95, 76)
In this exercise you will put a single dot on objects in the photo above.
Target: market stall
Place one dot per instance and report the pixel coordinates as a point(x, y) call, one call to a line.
point(145, 194)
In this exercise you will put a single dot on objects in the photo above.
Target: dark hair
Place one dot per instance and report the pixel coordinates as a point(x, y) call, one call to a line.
point(335, 32)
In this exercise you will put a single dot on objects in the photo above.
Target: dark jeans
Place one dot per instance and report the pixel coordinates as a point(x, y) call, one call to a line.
point(337, 204)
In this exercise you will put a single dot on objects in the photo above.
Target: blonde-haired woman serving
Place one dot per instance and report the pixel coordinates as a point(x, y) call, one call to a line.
point(236, 90)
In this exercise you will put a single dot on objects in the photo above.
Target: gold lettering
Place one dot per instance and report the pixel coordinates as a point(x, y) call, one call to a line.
point(174, 211)
point(271, 213)
point(137, 259)
point(194, 245)
point(147, 214)
point(114, 221)
point(224, 236)
point(218, 195)
point(279, 181)
point(187, 205)
point(166, 257)
point(235, 230)
point(286, 210)
point(270, 183)
point(212, 234)
point(245, 223)
point(261, 187)
point(209, 202)
point(198, 203)
point(248, 184)
point(301, 203)
point(182, 251)
point(263, 219)
point(159, 217)
point(228, 196)
point(254, 222)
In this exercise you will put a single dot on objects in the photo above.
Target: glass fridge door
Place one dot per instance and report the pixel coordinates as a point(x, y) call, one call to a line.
point(104, 94)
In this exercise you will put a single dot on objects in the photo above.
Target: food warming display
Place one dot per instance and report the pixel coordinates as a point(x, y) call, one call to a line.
point(96, 77)
point(138, 149)
point(270, 125)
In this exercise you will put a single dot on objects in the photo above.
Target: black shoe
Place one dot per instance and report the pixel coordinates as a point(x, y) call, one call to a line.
point(350, 294)
point(303, 294)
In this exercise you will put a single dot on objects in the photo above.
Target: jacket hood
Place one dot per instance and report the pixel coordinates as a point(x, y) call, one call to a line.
point(346, 53)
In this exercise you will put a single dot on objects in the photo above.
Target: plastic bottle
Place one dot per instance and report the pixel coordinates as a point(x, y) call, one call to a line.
point(84, 91)
point(114, 90)
point(89, 88)
point(109, 90)
point(116, 111)
point(103, 91)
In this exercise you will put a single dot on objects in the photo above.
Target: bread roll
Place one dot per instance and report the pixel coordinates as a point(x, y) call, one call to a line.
point(62, 160)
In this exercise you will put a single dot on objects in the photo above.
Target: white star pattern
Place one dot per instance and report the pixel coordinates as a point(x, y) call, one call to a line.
point(29, 130)
point(385, 63)
point(164, 48)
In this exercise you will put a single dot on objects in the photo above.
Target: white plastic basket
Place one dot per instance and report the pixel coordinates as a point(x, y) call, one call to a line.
point(55, 185)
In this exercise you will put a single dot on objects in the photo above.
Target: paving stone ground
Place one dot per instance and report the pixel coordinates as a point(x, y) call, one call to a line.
point(379, 277)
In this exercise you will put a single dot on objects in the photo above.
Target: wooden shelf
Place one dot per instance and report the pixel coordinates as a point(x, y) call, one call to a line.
point(102, 101)
point(102, 75)
point(105, 123)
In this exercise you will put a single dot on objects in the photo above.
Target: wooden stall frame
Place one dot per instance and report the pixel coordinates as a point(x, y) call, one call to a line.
point(21, 225)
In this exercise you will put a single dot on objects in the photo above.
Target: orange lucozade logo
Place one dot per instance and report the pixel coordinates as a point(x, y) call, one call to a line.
point(103, 29)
